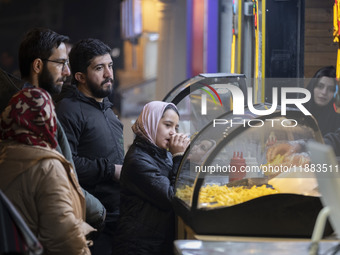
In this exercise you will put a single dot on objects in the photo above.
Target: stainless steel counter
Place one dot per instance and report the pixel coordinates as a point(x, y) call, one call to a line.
point(197, 247)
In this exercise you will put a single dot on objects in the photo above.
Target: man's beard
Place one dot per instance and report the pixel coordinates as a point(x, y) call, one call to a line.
point(98, 91)
point(46, 82)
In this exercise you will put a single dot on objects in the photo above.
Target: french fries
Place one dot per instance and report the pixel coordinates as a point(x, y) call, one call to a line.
point(216, 196)
point(185, 193)
point(278, 160)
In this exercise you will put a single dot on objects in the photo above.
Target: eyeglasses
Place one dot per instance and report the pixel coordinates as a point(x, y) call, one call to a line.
point(62, 62)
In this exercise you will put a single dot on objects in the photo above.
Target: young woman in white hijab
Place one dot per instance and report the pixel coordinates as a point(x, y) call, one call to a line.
point(146, 224)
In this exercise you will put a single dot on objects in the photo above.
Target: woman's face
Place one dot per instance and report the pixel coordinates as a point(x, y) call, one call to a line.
point(167, 126)
point(324, 90)
point(198, 151)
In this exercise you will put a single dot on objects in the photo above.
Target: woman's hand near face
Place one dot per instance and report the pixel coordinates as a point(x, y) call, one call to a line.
point(178, 143)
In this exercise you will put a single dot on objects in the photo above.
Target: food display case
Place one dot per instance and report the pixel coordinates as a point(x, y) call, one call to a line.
point(233, 179)
point(187, 96)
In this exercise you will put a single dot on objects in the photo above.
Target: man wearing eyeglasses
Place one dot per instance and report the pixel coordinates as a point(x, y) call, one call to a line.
point(43, 62)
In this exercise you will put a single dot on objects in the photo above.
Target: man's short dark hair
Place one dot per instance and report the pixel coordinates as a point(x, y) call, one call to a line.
point(37, 43)
point(83, 52)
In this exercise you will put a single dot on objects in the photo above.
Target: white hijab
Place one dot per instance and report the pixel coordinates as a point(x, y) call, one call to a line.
point(147, 123)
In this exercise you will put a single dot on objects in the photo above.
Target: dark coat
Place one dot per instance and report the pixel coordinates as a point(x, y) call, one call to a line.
point(95, 136)
point(95, 211)
point(146, 224)
point(333, 139)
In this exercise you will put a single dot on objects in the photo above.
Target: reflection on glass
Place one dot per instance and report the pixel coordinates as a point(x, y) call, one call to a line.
point(234, 161)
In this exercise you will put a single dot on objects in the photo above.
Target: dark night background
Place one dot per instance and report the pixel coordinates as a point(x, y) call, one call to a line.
point(77, 19)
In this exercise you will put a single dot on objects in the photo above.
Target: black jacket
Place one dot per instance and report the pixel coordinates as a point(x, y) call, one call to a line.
point(146, 223)
point(95, 136)
point(95, 211)
point(333, 139)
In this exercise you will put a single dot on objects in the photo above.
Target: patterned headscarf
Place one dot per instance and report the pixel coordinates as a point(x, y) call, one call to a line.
point(30, 118)
point(147, 123)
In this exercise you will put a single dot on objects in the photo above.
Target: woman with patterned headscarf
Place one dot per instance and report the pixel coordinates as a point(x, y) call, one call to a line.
point(38, 180)
point(146, 224)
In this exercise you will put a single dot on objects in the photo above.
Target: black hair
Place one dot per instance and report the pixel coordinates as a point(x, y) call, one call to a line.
point(83, 52)
point(37, 43)
point(328, 71)
point(172, 107)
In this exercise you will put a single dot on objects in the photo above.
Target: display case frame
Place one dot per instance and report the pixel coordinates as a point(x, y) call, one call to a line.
point(187, 97)
point(278, 215)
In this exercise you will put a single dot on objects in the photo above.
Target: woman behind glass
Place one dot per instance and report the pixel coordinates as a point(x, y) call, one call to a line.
point(321, 105)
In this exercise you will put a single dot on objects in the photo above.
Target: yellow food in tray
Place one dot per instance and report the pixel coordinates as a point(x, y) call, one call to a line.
point(216, 196)
point(283, 163)
point(185, 193)
point(278, 160)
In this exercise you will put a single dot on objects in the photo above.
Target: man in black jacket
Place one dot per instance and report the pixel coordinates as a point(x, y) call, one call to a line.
point(94, 132)
point(43, 63)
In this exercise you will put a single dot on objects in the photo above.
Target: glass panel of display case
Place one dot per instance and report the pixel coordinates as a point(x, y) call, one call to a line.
point(212, 199)
point(208, 90)
point(224, 156)
point(180, 87)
